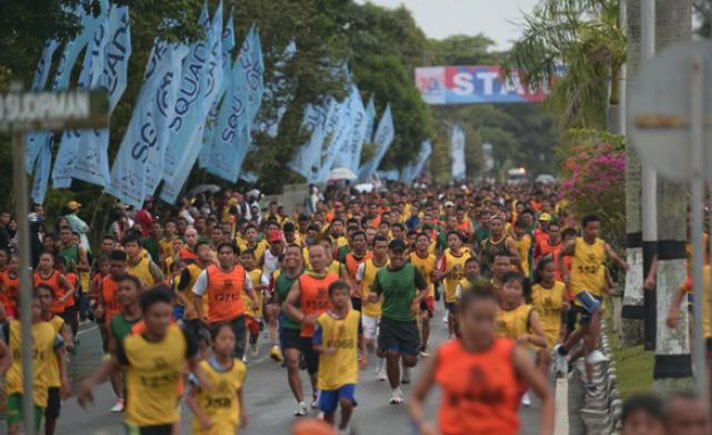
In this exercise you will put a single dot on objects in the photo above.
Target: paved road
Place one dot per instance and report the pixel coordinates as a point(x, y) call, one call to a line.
point(269, 402)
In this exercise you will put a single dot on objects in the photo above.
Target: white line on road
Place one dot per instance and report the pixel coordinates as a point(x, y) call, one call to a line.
point(561, 418)
point(84, 331)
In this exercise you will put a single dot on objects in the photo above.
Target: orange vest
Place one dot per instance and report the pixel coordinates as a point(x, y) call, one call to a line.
point(57, 291)
point(225, 293)
point(9, 292)
point(72, 278)
point(314, 297)
point(187, 254)
point(480, 391)
point(352, 265)
point(109, 289)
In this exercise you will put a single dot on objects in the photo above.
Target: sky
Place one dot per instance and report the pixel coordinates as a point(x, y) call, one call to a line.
point(499, 20)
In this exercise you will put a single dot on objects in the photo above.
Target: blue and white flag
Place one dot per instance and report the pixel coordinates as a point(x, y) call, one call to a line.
point(232, 141)
point(343, 152)
point(186, 128)
point(228, 43)
point(413, 171)
point(32, 145)
point(457, 153)
point(336, 133)
point(314, 122)
point(137, 168)
point(275, 93)
point(382, 140)
point(371, 117)
point(60, 82)
point(39, 187)
point(359, 120)
point(92, 163)
point(212, 82)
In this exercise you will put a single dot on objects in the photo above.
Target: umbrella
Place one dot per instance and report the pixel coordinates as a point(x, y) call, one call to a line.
point(341, 174)
point(197, 190)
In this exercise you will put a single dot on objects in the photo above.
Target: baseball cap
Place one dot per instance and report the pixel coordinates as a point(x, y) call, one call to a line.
point(545, 217)
point(275, 236)
point(73, 205)
point(396, 245)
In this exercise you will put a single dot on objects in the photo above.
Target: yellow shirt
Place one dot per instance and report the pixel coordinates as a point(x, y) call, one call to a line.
point(142, 271)
point(456, 274)
point(341, 368)
point(371, 309)
point(222, 404)
point(523, 246)
point(57, 324)
point(194, 272)
point(586, 267)
point(547, 303)
point(255, 276)
point(43, 346)
point(166, 247)
point(513, 323)
point(426, 266)
point(153, 374)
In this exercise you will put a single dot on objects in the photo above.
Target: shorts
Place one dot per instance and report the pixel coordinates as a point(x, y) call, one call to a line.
point(370, 326)
point(178, 312)
point(54, 403)
point(238, 327)
point(585, 305)
point(294, 340)
point(428, 305)
point(196, 329)
point(161, 429)
point(252, 325)
point(329, 399)
point(399, 337)
point(356, 303)
point(14, 414)
point(69, 313)
point(291, 338)
point(451, 307)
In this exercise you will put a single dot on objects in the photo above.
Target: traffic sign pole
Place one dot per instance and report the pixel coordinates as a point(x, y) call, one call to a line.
point(697, 175)
point(23, 252)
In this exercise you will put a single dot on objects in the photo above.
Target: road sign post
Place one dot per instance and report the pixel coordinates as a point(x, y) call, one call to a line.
point(20, 112)
point(671, 128)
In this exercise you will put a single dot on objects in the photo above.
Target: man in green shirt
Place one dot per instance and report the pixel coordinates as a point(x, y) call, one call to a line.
point(152, 243)
point(401, 287)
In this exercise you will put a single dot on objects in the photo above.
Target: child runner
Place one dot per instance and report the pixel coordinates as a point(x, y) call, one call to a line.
point(58, 363)
point(336, 338)
point(481, 376)
point(451, 268)
point(252, 316)
point(47, 275)
point(371, 311)
point(71, 311)
point(426, 262)
point(549, 301)
point(518, 321)
point(222, 410)
point(154, 360)
point(45, 343)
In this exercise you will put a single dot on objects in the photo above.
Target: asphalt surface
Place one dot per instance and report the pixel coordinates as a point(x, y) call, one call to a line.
point(269, 401)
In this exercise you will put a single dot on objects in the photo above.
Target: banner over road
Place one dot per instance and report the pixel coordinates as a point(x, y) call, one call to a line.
point(472, 84)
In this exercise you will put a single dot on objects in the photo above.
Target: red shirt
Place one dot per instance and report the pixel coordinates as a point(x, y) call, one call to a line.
point(143, 217)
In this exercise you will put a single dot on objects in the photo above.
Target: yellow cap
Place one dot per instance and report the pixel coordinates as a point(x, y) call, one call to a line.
point(73, 205)
point(546, 217)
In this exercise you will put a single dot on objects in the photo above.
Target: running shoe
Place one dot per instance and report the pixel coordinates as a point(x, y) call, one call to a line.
point(119, 407)
point(561, 362)
point(315, 402)
point(405, 378)
point(424, 353)
point(526, 401)
point(445, 319)
point(596, 357)
point(396, 398)
point(254, 350)
point(381, 375)
point(276, 354)
point(301, 410)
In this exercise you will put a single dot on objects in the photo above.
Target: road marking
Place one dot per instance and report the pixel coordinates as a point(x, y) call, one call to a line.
point(87, 330)
point(561, 417)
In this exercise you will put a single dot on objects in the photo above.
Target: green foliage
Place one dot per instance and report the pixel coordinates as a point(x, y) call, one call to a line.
point(703, 12)
point(584, 36)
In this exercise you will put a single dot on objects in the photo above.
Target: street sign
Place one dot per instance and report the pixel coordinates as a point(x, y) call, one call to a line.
point(659, 111)
point(75, 109)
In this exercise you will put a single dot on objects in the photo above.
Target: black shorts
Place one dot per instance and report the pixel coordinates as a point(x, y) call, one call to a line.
point(293, 340)
point(399, 337)
point(54, 403)
point(197, 330)
point(161, 429)
point(238, 328)
point(356, 303)
point(69, 313)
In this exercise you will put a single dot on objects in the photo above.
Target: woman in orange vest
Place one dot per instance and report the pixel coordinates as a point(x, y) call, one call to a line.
point(223, 285)
point(481, 376)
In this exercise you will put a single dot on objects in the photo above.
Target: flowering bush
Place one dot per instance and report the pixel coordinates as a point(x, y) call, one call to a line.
point(593, 182)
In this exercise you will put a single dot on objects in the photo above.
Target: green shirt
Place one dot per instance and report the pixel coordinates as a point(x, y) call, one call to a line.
point(121, 327)
point(70, 254)
point(282, 286)
point(153, 248)
point(399, 287)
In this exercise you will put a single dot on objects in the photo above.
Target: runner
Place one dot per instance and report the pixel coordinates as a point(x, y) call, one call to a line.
point(451, 269)
point(523, 240)
point(139, 265)
point(481, 376)
point(371, 312)
point(499, 242)
point(10, 287)
point(401, 287)
point(223, 285)
point(550, 303)
point(336, 338)
point(353, 260)
point(47, 348)
point(222, 410)
point(47, 275)
point(253, 317)
point(307, 299)
point(58, 365)
point(426, 264)
point(500, 265)
point(587, 281)
point(203, 258)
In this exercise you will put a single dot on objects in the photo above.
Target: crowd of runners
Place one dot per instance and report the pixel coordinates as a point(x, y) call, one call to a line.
point(349, 281)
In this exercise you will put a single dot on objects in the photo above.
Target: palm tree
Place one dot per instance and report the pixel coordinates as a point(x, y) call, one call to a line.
point(672, 350)
point(585, 36)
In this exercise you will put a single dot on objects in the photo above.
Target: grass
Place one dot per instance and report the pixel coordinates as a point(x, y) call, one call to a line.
point(634, 366)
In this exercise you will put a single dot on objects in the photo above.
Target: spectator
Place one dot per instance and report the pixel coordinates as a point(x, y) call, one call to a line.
point(77, 225)
point(144, 218)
